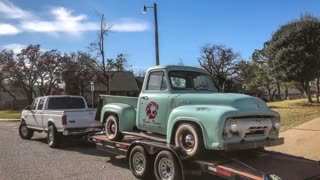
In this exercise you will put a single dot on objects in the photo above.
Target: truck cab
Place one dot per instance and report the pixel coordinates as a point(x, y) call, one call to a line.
point(181, 104)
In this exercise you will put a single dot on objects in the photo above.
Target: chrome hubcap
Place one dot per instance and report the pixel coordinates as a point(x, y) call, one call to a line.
point(138, 162)
point(111, 128)
point(189, 140)
point(166, 169)
point(186, 141)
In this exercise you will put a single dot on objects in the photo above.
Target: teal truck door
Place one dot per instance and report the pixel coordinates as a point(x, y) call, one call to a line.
point(153, 111)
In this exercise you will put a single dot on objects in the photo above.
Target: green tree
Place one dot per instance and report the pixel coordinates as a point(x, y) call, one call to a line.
point(295, 51)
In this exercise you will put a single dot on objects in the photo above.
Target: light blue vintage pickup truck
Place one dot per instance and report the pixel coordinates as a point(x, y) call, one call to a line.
point(181, 105)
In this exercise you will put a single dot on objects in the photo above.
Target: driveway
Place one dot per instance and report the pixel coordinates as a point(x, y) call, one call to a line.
point(303, 140)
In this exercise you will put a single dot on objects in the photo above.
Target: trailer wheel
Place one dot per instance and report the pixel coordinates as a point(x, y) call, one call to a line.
point(53, 137)
point(140, 162)
point(166, 166)
point(24, 131)
point(189, 138)
point(112, 128)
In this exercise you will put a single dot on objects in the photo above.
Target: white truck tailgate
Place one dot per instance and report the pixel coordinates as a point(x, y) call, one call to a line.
point(81, 118)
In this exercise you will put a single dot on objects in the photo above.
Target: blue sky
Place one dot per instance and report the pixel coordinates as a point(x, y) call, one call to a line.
point(184, 26)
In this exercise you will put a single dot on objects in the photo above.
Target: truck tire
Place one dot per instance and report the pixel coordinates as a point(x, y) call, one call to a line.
point(188, 138)
point(24, 131)
point(140, 162)
point(53, 137)
point(112, 129)
point(166, 167)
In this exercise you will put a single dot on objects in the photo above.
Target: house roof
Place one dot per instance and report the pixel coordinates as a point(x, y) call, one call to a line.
point(120, 81)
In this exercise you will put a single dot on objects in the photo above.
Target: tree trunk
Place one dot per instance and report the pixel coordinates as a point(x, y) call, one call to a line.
point(81, 88)
point(286, 93)
point(318, 89)
point(29, 96)
point(269, 93)
point(278, 89)
point(307, 91)
point(273, 93)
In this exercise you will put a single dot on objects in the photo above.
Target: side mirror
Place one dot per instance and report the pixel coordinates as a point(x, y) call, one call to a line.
point(28, 107)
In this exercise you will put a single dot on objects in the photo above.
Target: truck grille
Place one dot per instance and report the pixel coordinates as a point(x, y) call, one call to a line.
point(251, 126)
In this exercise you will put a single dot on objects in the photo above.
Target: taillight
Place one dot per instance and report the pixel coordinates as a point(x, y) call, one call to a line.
point(64, 120)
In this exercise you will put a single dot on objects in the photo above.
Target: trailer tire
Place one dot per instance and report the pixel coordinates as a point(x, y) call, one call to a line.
point(188, 138)
point(166, 166)
point(53, 137)
point(24, 131)
point(112, 128)
point(140, 163)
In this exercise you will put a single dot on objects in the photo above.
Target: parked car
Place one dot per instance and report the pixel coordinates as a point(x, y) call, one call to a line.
point(58, 116)
point(181, 104)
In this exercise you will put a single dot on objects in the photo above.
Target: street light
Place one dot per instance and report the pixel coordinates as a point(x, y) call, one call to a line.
point(92, 91)
point(144, 11)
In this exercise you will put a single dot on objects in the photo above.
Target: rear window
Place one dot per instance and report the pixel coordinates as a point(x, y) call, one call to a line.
point(66, 103)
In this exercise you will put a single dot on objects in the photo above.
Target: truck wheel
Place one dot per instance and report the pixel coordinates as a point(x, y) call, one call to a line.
point(24, 131)
point(166, 166)
point(140, 164)
point(112, 128)
point(53, 137)
point(189, 138)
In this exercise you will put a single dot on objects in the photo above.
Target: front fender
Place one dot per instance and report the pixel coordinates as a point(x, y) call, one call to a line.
point(210, 118)
point(125, 113)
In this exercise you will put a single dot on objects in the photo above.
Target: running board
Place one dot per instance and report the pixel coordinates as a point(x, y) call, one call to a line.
point(148, 136)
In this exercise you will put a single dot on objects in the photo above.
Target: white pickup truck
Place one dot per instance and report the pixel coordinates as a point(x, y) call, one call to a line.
point(58, 116)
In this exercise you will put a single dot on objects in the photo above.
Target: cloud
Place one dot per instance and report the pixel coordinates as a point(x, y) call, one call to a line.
point(11, 11)
point(8, 29)
point(61, 20)
point(130, 25)
point(64, 21)
point(16, 48)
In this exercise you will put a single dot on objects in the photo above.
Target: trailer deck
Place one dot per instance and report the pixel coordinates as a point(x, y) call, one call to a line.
point(253, 165)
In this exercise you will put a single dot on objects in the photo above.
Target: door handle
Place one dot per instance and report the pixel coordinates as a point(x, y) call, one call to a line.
point(145, 97)
point(72, 121)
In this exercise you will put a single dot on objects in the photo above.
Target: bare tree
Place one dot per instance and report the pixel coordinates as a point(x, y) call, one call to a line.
point(101, 64)
point(219, 62)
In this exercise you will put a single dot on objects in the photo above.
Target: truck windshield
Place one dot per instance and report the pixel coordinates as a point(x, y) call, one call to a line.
point(190, 80)
point(66, 103)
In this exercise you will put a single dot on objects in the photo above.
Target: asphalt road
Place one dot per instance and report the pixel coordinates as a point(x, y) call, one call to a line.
point(33, 159)
point(75, 159)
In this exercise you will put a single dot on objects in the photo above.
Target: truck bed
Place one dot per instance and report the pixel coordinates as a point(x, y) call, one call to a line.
point(240, 165)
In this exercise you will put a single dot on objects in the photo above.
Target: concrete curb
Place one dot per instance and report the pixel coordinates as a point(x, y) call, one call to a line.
point(9, 120)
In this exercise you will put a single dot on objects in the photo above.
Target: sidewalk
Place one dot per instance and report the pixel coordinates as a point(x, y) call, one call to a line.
point(9, 120)
point(303, 140)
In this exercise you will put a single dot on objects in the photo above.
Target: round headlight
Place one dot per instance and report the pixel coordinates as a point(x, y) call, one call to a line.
point(233, 127)
point(276, 125)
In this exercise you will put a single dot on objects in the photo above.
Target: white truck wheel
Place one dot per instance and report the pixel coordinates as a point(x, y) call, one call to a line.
point(189, 138)
point(24, 131)
point(112, 128)
point(53, 137)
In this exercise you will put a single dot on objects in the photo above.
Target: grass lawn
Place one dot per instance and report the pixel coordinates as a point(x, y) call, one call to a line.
point(295, 112)
point(10, 114)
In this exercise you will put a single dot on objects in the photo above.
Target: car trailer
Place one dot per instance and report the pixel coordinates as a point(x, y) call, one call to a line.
point(151, 158)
